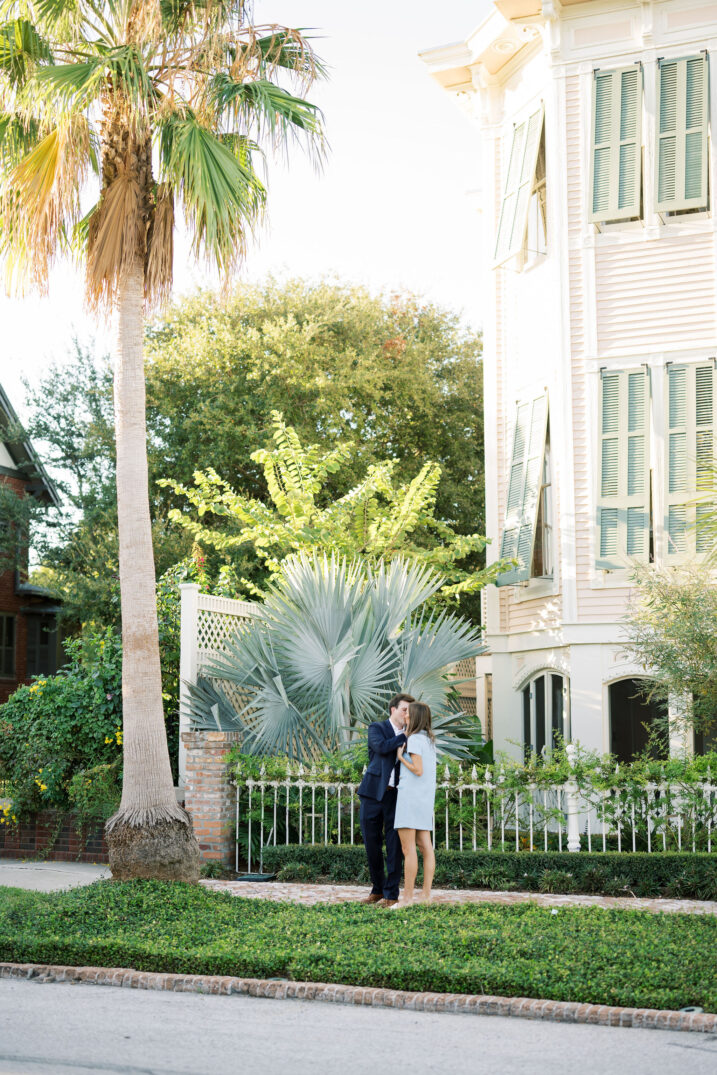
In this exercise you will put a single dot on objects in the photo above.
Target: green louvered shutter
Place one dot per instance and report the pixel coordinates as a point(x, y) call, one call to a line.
point(691, 421)
point(616, 157)
point(526, 468)
point(682, 116)
point(520, 176)
point(623, 500)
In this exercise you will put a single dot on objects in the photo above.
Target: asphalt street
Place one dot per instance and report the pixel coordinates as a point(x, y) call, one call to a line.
point(66, 1029)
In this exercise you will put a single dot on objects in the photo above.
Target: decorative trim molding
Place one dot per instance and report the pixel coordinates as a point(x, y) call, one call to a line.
point(625, 670)
point(560, 666)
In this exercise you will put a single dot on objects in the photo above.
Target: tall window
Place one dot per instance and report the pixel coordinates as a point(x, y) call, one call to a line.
point(542, 566)
point(7, 647)
point(691, 421)
point(536, 237)
point(705, 740)
point(520, 183)
point(41, 645)
point(623, 495)
point(682, 144)
point(616, 156)
point(635, 722)
point(544, 702)
point(527, 469)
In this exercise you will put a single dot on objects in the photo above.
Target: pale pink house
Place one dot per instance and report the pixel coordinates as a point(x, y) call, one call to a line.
point(600, 308)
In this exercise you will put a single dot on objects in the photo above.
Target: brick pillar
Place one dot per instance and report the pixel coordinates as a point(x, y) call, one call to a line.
point(209, 796)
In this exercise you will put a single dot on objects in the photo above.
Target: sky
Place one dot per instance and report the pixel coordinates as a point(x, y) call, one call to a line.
point(391, 208)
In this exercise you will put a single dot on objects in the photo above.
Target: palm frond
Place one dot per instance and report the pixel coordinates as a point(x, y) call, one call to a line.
point(208, 709)
point(68, 86)
point(21, 47)
point(116, 234)
point(267, 109)
point(427, 646)
point(160, 247)
point(290, 50)
point(222, 196)
point(40, 199)
point(400, 587)
point(17, 137)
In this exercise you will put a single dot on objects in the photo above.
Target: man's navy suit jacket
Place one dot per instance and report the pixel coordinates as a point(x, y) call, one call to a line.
point(382, 746)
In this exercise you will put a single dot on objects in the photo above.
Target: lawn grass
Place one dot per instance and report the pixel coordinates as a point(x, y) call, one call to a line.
point(590, 955)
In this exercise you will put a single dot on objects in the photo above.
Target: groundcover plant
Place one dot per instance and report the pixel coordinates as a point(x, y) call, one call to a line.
point(590, 955)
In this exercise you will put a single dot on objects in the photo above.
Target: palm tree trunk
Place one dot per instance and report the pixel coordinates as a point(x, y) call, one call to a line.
point(150, 835)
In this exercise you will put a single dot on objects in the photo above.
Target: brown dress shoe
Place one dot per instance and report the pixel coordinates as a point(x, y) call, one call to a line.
point(386, 903)
point(374, 897)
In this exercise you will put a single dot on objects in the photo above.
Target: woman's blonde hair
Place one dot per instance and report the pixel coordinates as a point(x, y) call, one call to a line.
point(419, 720)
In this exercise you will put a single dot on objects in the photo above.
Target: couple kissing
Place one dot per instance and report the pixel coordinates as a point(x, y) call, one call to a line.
point(397, 795)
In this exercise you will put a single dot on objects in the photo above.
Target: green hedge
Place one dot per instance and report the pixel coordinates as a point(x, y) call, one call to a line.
point(686, 876)
point(589, 955)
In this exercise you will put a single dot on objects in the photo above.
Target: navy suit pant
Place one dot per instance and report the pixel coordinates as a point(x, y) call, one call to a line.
point(377, 826)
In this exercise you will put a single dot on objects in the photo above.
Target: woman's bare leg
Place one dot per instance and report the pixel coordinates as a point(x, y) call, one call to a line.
point(410, 862)
point(423, 838)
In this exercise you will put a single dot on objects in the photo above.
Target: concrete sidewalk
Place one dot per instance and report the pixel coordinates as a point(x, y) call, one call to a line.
point(43, 876)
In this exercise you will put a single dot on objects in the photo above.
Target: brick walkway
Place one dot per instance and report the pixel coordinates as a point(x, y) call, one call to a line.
point(312, 894)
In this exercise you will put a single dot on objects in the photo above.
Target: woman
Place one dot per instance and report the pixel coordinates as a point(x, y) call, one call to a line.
point(415, 801)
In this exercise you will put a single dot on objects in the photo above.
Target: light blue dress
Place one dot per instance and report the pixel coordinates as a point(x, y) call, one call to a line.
point(417, 794)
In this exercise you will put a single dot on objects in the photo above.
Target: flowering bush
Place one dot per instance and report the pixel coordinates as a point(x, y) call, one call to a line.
point(61, 725)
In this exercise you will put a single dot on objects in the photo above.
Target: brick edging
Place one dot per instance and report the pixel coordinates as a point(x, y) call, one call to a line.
point(556, 1011)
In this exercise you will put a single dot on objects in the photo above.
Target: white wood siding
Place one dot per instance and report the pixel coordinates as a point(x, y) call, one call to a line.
point(655, 295)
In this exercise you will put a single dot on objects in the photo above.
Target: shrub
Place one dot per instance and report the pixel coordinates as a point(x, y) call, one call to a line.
point(61, 736)
point(557, 881)
point(94, 794)
point(62, 725)
point(687, 875)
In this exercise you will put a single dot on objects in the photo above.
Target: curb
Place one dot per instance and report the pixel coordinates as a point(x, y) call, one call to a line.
point(555, 1011)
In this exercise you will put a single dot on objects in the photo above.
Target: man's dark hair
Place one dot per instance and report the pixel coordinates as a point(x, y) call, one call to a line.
point(398, 698)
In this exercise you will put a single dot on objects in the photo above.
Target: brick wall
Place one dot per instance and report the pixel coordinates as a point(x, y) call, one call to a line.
point(34, 837)
point(209, 797)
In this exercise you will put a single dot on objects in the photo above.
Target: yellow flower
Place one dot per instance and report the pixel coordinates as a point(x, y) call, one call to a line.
point(43, 787)
point(109, 739)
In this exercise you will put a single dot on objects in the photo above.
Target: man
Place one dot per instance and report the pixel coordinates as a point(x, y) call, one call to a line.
point(377, 792)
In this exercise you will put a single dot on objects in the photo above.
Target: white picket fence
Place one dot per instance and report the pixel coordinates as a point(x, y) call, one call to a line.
point(310, 807)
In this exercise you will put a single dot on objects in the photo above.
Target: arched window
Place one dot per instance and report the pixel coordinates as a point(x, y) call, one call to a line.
point(635, 722)
point(546, 718)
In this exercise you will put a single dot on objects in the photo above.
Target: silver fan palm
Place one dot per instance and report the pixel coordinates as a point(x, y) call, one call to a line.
point(333, 642)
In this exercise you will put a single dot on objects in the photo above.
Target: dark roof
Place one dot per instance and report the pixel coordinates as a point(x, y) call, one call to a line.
point(24, 456)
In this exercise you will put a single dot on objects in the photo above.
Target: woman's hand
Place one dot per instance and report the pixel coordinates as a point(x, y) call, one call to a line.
point(400, 751)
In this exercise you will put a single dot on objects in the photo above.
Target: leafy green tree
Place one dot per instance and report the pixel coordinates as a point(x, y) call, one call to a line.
point(397, 378)
point(672, 633)
point(375, 520)
point(164, 102)
point(17, 513)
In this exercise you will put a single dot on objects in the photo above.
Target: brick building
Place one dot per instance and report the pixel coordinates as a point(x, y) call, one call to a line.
point(28, 614)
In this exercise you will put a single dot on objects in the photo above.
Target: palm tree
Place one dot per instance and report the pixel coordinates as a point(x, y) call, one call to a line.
point(166, 101)
point(333, 642)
